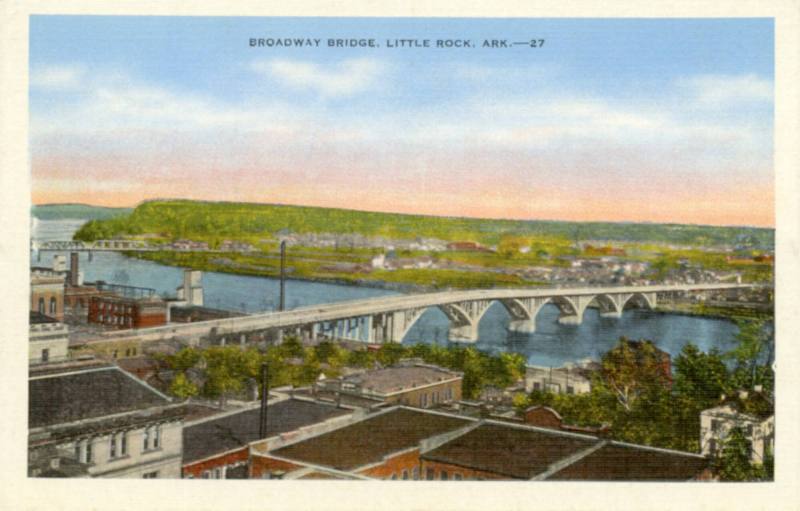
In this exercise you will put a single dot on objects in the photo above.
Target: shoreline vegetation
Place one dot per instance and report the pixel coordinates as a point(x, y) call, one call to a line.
point(425, 253)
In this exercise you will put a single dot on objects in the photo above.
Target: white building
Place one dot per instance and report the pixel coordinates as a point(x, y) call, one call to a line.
point(90, 419)
point(560, 380)
point(758, 426)
point(48, 339)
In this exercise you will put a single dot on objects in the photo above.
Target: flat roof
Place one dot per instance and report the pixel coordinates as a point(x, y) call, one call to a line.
point(368, 441)
point(620, 462)
point(395, 379)
point(78, 393)
point(232, 431)
point(514, 452)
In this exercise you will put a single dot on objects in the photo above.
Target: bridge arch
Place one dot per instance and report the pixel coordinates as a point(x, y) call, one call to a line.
point(642, 300)
point(606, 304)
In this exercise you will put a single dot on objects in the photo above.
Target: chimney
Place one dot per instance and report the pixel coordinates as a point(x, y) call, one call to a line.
point(73, 269)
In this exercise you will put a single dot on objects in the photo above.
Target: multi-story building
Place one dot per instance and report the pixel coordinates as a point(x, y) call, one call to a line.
point(47, 292)
point(89, 419)
point(752, 412)
point(125, 307)
point(48, 339)
point(409, 383)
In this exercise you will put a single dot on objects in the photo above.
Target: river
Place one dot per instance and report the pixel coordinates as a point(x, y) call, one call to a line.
point(552, 344)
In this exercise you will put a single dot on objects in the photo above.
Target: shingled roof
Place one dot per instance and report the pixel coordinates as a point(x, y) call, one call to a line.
point(368, 441)
point(74, 394)
point(232, 431)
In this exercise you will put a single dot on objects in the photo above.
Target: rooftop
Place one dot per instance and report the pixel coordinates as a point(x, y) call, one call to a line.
point(368, 441)
point(236, 430)
point(621, 462)
point(518, 453)
point(398, 378)
point(73, 392)
point(37, 318)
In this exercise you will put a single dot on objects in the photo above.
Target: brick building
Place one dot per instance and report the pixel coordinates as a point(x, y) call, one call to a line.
point(412, 384)
point(217, 447)
point(405, 443)
point(125, 307)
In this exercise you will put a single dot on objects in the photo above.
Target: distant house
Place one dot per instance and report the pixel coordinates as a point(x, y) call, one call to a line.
point(464, 246)
point(752, 412)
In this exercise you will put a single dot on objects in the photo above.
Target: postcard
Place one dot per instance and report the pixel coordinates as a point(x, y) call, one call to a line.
point(404, 259)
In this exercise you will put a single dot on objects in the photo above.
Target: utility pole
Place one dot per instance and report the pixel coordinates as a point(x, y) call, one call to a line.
point(282, 304)
point(262, 426)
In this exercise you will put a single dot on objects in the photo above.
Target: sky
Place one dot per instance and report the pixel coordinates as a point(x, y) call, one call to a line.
point(645, 120)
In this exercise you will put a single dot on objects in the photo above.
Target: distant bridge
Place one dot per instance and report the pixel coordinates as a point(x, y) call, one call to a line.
point(388, 319)
point(94, 246)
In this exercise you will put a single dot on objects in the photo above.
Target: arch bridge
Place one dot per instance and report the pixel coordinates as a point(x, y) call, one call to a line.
point(388, 319)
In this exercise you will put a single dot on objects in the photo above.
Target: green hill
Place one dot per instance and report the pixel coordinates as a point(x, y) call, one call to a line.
point(201, 220)
point(76, 212)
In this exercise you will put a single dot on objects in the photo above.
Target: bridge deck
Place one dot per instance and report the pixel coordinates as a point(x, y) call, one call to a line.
point(371, 306)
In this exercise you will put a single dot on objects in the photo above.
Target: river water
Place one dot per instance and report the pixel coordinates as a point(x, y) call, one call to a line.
point(552, 344)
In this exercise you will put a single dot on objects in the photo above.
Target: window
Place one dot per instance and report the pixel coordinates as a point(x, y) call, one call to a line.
point(88, 456)
point(217, 473)
point(150, 475)
point(457, 477)
point(115, 354)
point(146, 439)
point(716, 425)
point(45, 355)
point(423, 400)
point(206, 474)
point(415, 473)
point(52, 305)
point(394, 477)
point(430, 474)
point(41, 305)
point(123, 444)
point(748, 430)
point(536, 385)
point(112, 447)
point(570, 389)
point(156, 437)
point(443, 475)
point(405, 475)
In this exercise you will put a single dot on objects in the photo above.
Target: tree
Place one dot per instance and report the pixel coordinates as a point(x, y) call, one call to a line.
point(733, 460)
point(391, 353)
point(632, 368)
point(184, 359)
point(753, 339)
point(182, 387)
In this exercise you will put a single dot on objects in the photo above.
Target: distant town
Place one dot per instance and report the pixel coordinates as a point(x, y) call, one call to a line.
point(129, 380)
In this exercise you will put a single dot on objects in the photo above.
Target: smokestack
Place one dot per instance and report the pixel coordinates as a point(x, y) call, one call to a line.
point(73, 269)
point(262, 427)
point(282, 304)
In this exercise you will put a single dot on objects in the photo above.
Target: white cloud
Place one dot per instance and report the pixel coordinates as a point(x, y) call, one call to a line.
point(57, 77)
point(723, 90)
point(342, 79)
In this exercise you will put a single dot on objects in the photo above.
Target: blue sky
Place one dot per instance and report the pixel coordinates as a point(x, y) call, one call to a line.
point(607, 108)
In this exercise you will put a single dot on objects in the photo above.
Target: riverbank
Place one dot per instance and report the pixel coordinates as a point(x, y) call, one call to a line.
point(732, 313)
point(402, 280)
